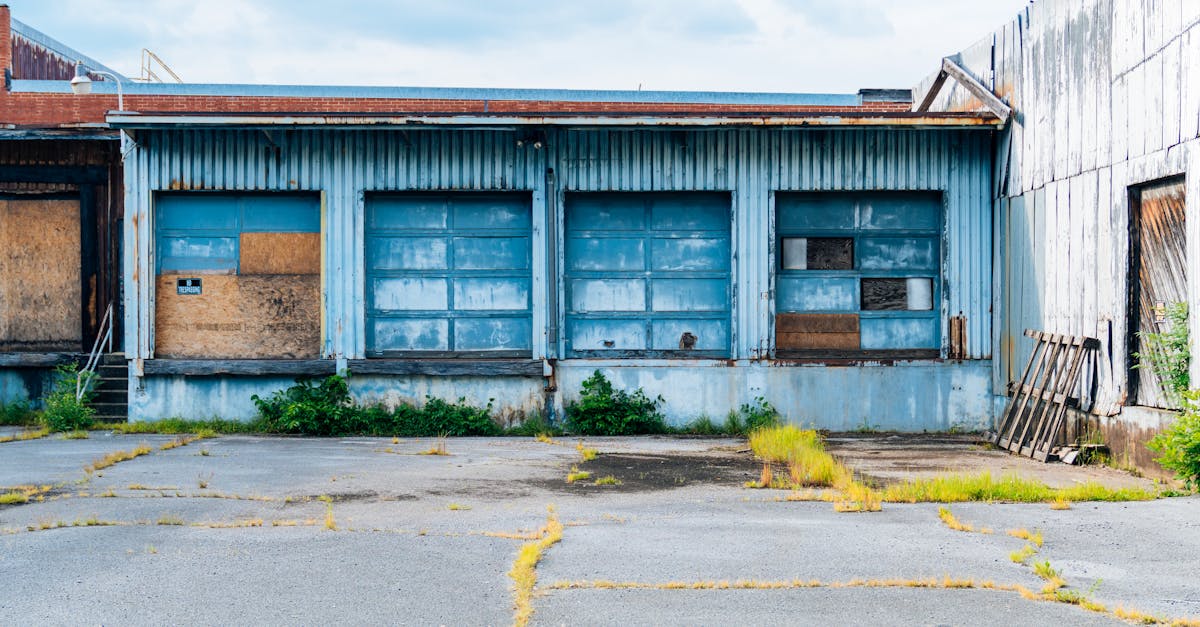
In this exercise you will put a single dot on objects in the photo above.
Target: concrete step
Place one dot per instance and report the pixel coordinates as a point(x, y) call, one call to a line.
point(111, 411)
point(113, 359)
point(110, 396)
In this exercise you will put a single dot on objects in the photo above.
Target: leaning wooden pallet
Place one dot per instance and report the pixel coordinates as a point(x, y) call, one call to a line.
point(1034, 417)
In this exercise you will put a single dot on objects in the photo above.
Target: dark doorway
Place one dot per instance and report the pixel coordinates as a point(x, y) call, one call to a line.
point(1157, 279)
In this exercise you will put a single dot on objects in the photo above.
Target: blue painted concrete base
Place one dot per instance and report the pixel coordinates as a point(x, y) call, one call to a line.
point(913, 396)
point(24, 385)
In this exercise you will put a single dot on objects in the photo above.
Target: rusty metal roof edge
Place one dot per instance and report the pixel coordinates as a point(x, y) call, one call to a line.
point(905, 119)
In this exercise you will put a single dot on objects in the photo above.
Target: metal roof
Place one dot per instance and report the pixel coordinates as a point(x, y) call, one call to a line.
point(129, 120)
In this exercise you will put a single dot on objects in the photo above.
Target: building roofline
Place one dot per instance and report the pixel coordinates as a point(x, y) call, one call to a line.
point(57, 47)
point(452, 93)
point(906, 119)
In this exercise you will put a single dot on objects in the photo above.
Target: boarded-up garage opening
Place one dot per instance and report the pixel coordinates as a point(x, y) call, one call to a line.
point(1157, 280)
point(239, 276)
point(40, 298)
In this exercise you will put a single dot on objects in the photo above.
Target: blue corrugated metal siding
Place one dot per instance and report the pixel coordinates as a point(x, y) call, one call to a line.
point(644, 271)
point(752, 164)
point(448, 272)
point(748, 166)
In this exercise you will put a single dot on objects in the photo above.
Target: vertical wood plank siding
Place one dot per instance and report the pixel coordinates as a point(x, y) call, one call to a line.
point(1106, 96)
point(751, 164)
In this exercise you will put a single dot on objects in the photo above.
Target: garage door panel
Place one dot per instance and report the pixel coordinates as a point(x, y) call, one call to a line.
point(411, 334)
point(607, 335)
point(492, 334)
point(682, 254)
point(490, 213)
point(410, 294)
point(689, 212)
point(606, 254)
point(410, 213)
point(492, 253)
point(491, 294)
point(407, 253)
point(605, 213)
point(705, 335)
point(690, 295)
point(589, 295)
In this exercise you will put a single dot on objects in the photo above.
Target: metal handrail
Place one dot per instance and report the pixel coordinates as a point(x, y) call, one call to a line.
point(103, 341)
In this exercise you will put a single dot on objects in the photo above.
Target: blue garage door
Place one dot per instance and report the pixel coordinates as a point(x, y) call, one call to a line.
point(859, 273)
point(647, 274)
point(449, 274)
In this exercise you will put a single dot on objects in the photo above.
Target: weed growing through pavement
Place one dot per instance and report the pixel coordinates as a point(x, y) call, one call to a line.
point(169, 520)
point(1024, 534)
point(578, 475)
point(439, 447)
point(1060, 503)
point(524, 569)
point(203, 479)
point(588, 454)
point(117, 457)
point(608, 480)
point(78, 434)
point(25, 436)
point(1053, 578)
point(1009, 488)
point(809, 465)
point(458, 507)
point(1022, 556)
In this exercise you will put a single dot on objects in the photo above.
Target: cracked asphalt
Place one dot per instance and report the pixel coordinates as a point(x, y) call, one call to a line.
point(287, 531)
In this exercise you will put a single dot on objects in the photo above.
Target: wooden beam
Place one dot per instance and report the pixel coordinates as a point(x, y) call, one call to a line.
point(37, 360)
point(931, 94)
point(964, 78)
point(253, 367)
point(448, 367)
point(977, 89)
point(95, 174)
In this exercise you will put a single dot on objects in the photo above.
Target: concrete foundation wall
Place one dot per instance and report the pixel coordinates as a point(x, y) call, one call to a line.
point(909, 396)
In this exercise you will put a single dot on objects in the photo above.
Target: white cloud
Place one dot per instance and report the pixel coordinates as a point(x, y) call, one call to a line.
point(729, 45)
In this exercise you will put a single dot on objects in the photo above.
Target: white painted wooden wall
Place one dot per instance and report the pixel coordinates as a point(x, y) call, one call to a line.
point(1106, 95)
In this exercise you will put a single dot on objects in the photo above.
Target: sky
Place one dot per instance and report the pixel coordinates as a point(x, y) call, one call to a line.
point(813, 46)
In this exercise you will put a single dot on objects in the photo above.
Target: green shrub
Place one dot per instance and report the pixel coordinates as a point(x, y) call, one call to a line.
point(323, 409)
point(603, 410)
point(1169, 355)
point(17, 413)
point(757, 415)
point(326, 409)
point(1180, 443)
point(65, 412)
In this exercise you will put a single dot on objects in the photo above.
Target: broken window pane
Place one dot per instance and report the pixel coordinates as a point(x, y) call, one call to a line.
point(910, 294)
point(818, 253)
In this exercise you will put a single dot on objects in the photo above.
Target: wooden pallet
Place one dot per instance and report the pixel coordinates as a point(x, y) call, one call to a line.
point(1034, 417)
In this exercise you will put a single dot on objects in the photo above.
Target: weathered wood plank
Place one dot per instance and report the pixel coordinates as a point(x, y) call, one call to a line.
point(262, 367)
point(37, 360)
point(448, 367)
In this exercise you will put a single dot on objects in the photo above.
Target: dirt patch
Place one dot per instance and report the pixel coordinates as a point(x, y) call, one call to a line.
point(885, 458)
point(646, 472)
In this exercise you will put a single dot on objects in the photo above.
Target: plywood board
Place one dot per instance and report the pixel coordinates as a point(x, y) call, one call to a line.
point(817, 331)
point(280, 253)
point(39, 275)
point(240, 317)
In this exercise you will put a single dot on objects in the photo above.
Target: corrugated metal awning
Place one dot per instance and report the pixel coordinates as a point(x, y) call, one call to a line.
point(899, 119)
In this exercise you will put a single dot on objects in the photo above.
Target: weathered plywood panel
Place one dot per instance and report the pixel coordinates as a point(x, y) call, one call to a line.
point(280, 253)
point(40, 275)
point(240, 317)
